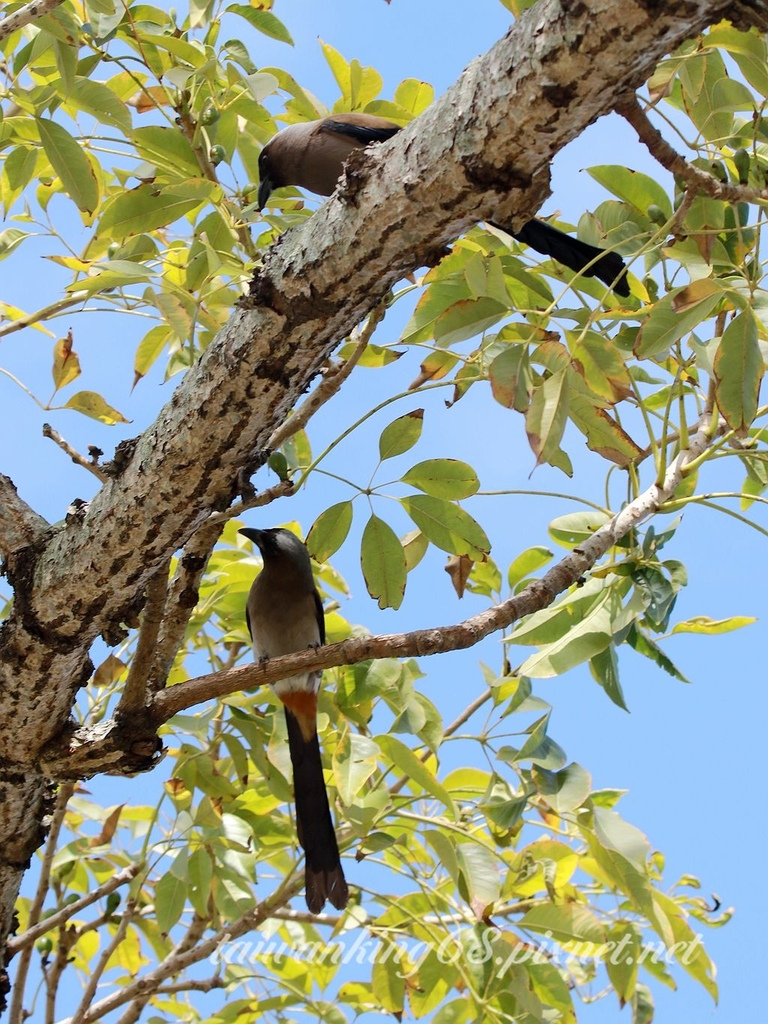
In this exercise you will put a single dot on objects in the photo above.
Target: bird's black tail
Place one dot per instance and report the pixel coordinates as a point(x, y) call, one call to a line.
point(324, 878)
point(586, 259)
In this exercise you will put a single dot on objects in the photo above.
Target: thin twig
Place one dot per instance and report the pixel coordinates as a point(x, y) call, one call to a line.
point(330, 384)
point(178, 961)
point(181, 600)
point(66, 790)
point(89, 464)
point(206, 985)
point(265, 497)
point(669, 158)
point(101, 964)
point(32, 934)
point(135, 692)
point(76, 299)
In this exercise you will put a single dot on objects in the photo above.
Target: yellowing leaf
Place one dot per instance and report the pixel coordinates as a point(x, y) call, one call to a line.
point(401, 434)
point(90, 403)
point(66, 365)
point(712, 627)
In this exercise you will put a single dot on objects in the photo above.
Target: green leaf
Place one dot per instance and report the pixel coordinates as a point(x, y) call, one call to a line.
point(633, 187)
point(383, 562)
point(200, 877)
point(466, 319)
point(66, 365)
point(739, 370)
point(676, 315)
point(527, 563)
point(263, 21)
point(146, 208)
point(647, 647)
point(613, 833)
point(388, 983)
point(70, 162)
point(401, 434)
point(748, 50)
point(100, 102)
point(447, 526)
point(480, 873)
point(588, 633)
point(406, 761)
point(150, 347)
point(414, 95)
point(443, 478)
point(90, 403)
point(546, 418)
point(576, 527)
point(329, 531)
point(687, 948)
point(604, 667)
point(564, 790)
point(603, 432)
point(565, 923)
point(167, 150)
point(170, 898)
point(622, 958)
point(185, 51)
point(510, 377)
point(354, 762)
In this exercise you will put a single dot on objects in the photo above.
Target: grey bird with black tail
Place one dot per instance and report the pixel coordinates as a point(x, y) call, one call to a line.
point(312, 154)
point(284, 613)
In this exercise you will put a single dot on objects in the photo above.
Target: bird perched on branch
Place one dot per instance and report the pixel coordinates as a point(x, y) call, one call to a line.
point(285, 615)
point(312, 155)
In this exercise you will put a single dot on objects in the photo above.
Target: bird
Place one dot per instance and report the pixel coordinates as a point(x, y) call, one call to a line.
point(284, 614)
point(311, 154)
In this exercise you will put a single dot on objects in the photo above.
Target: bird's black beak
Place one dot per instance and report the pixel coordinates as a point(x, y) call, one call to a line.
point(254, 535)
point(265, 191)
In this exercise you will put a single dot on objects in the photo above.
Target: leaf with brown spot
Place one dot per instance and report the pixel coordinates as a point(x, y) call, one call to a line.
point(66, 365)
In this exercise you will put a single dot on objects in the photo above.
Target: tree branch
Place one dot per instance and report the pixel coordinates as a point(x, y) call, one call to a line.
point(77, 458)
point(32, 934)
point(483, 149)
point(330, 384)
point(135, 691)
point(671, 160)
point(16, 1014)
point(19, 524)
point(537, 595)
point(29, 13)
point(87, 751)
point(101, 963)
point(179, 959)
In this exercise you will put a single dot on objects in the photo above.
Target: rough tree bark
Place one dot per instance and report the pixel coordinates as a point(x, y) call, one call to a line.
point(484, 148)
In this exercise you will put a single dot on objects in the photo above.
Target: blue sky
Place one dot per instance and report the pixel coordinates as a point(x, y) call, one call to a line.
point(689, 755)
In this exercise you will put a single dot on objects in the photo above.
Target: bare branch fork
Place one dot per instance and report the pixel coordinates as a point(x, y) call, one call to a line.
point(85, 752)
